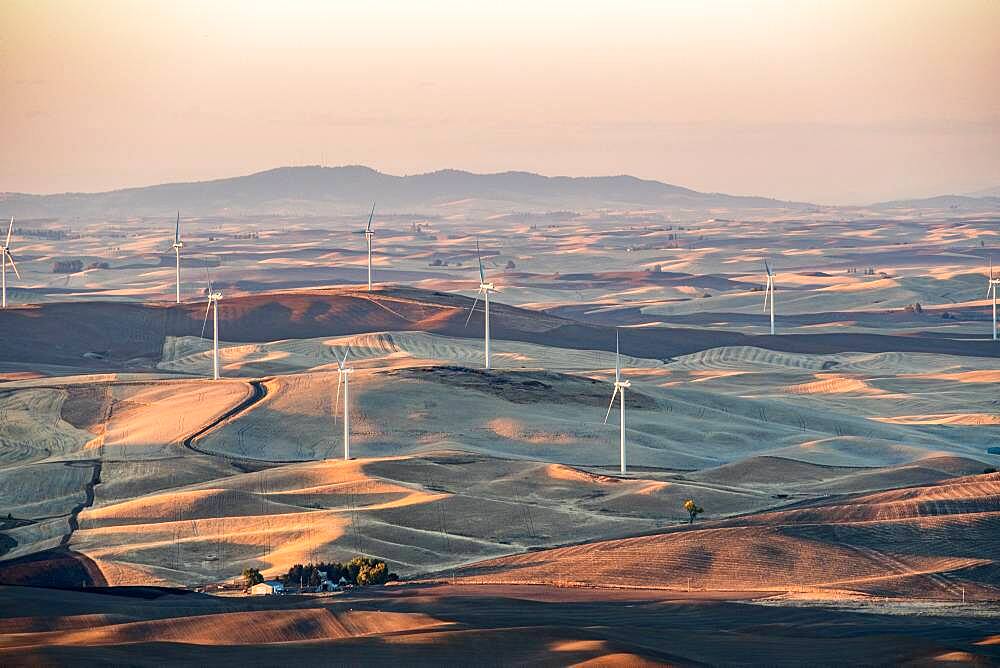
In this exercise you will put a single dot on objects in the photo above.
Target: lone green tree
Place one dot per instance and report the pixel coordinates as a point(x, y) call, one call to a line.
point(693, 510)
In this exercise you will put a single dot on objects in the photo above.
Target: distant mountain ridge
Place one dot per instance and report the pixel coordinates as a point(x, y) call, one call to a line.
point(330, 190)
point(986, 192)
point(315, 190)
point(967, 203)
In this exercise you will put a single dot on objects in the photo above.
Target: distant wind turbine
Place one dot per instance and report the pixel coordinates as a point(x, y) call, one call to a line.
point(344, 379)
point(369, 235)
point(619, 390)
point(769, 292)
point(177, 255)
point(4, 256)
point(991, 290)
point(484, 289)
point(213, 305)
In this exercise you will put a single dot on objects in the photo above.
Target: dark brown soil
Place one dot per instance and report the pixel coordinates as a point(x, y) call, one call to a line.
point(525, 387)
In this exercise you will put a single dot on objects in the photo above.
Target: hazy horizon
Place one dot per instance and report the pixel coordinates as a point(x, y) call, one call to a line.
point(839, 103)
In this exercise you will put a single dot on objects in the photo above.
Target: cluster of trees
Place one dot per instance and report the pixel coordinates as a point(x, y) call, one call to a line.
point(74, 266)
point(247, 235)
point(251, 576)
point(67, 266)
point(360, 571)
point(869, 271)
point(915, 307)
point(55, 235)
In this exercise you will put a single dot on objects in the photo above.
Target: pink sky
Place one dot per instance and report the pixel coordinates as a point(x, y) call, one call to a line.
point(833, 102)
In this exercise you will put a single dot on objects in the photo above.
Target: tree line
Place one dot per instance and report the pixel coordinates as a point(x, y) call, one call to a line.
point(359, 571)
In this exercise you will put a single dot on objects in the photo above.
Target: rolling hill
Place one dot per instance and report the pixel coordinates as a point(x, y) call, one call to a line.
point(119, 336)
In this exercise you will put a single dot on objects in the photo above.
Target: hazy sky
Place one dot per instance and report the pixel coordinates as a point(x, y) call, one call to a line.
point(833, 102)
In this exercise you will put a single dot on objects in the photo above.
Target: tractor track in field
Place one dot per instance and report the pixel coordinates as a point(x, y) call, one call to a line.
point(257, 395)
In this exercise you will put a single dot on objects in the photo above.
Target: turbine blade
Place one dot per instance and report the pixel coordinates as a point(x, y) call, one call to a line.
point(369, 228)
point(204, 323)
point(177, 229)
point(767, 268)
point(14, 266)
point(336, 406)
point(611, 405)
point(347, 351)
point(473, 307)
point(618, 363)
point(10, 229)
point(482, 274)
point(767, 292)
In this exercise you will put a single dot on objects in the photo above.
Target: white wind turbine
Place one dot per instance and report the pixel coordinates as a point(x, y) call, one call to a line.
point(177, 255)
point(769, 292)
point(992, 283)
point(484, 289)
point(344, 379)
point(213, 305)
point(620, 386)
point(369, 235)
point(4, 256)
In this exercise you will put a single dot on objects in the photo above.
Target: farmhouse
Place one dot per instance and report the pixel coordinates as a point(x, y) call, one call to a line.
point(267, 588)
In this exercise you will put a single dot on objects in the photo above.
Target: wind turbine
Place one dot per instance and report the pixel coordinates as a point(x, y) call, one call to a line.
point(213, 305)
point(769, 292)
point(344, 379)
point(620, 386)
point(177, 255)
point(992, 283)
point(4, 256)
point(369, 235)
point(484, 289)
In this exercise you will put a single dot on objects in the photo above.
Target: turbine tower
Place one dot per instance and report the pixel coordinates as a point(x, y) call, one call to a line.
point(213, 305)
point(620, 386)
point(993, 282)
point(369, 235)
point(4, 256)
point(769, 292)
point(484, 289)
point(344, 379)
point(177, 255)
